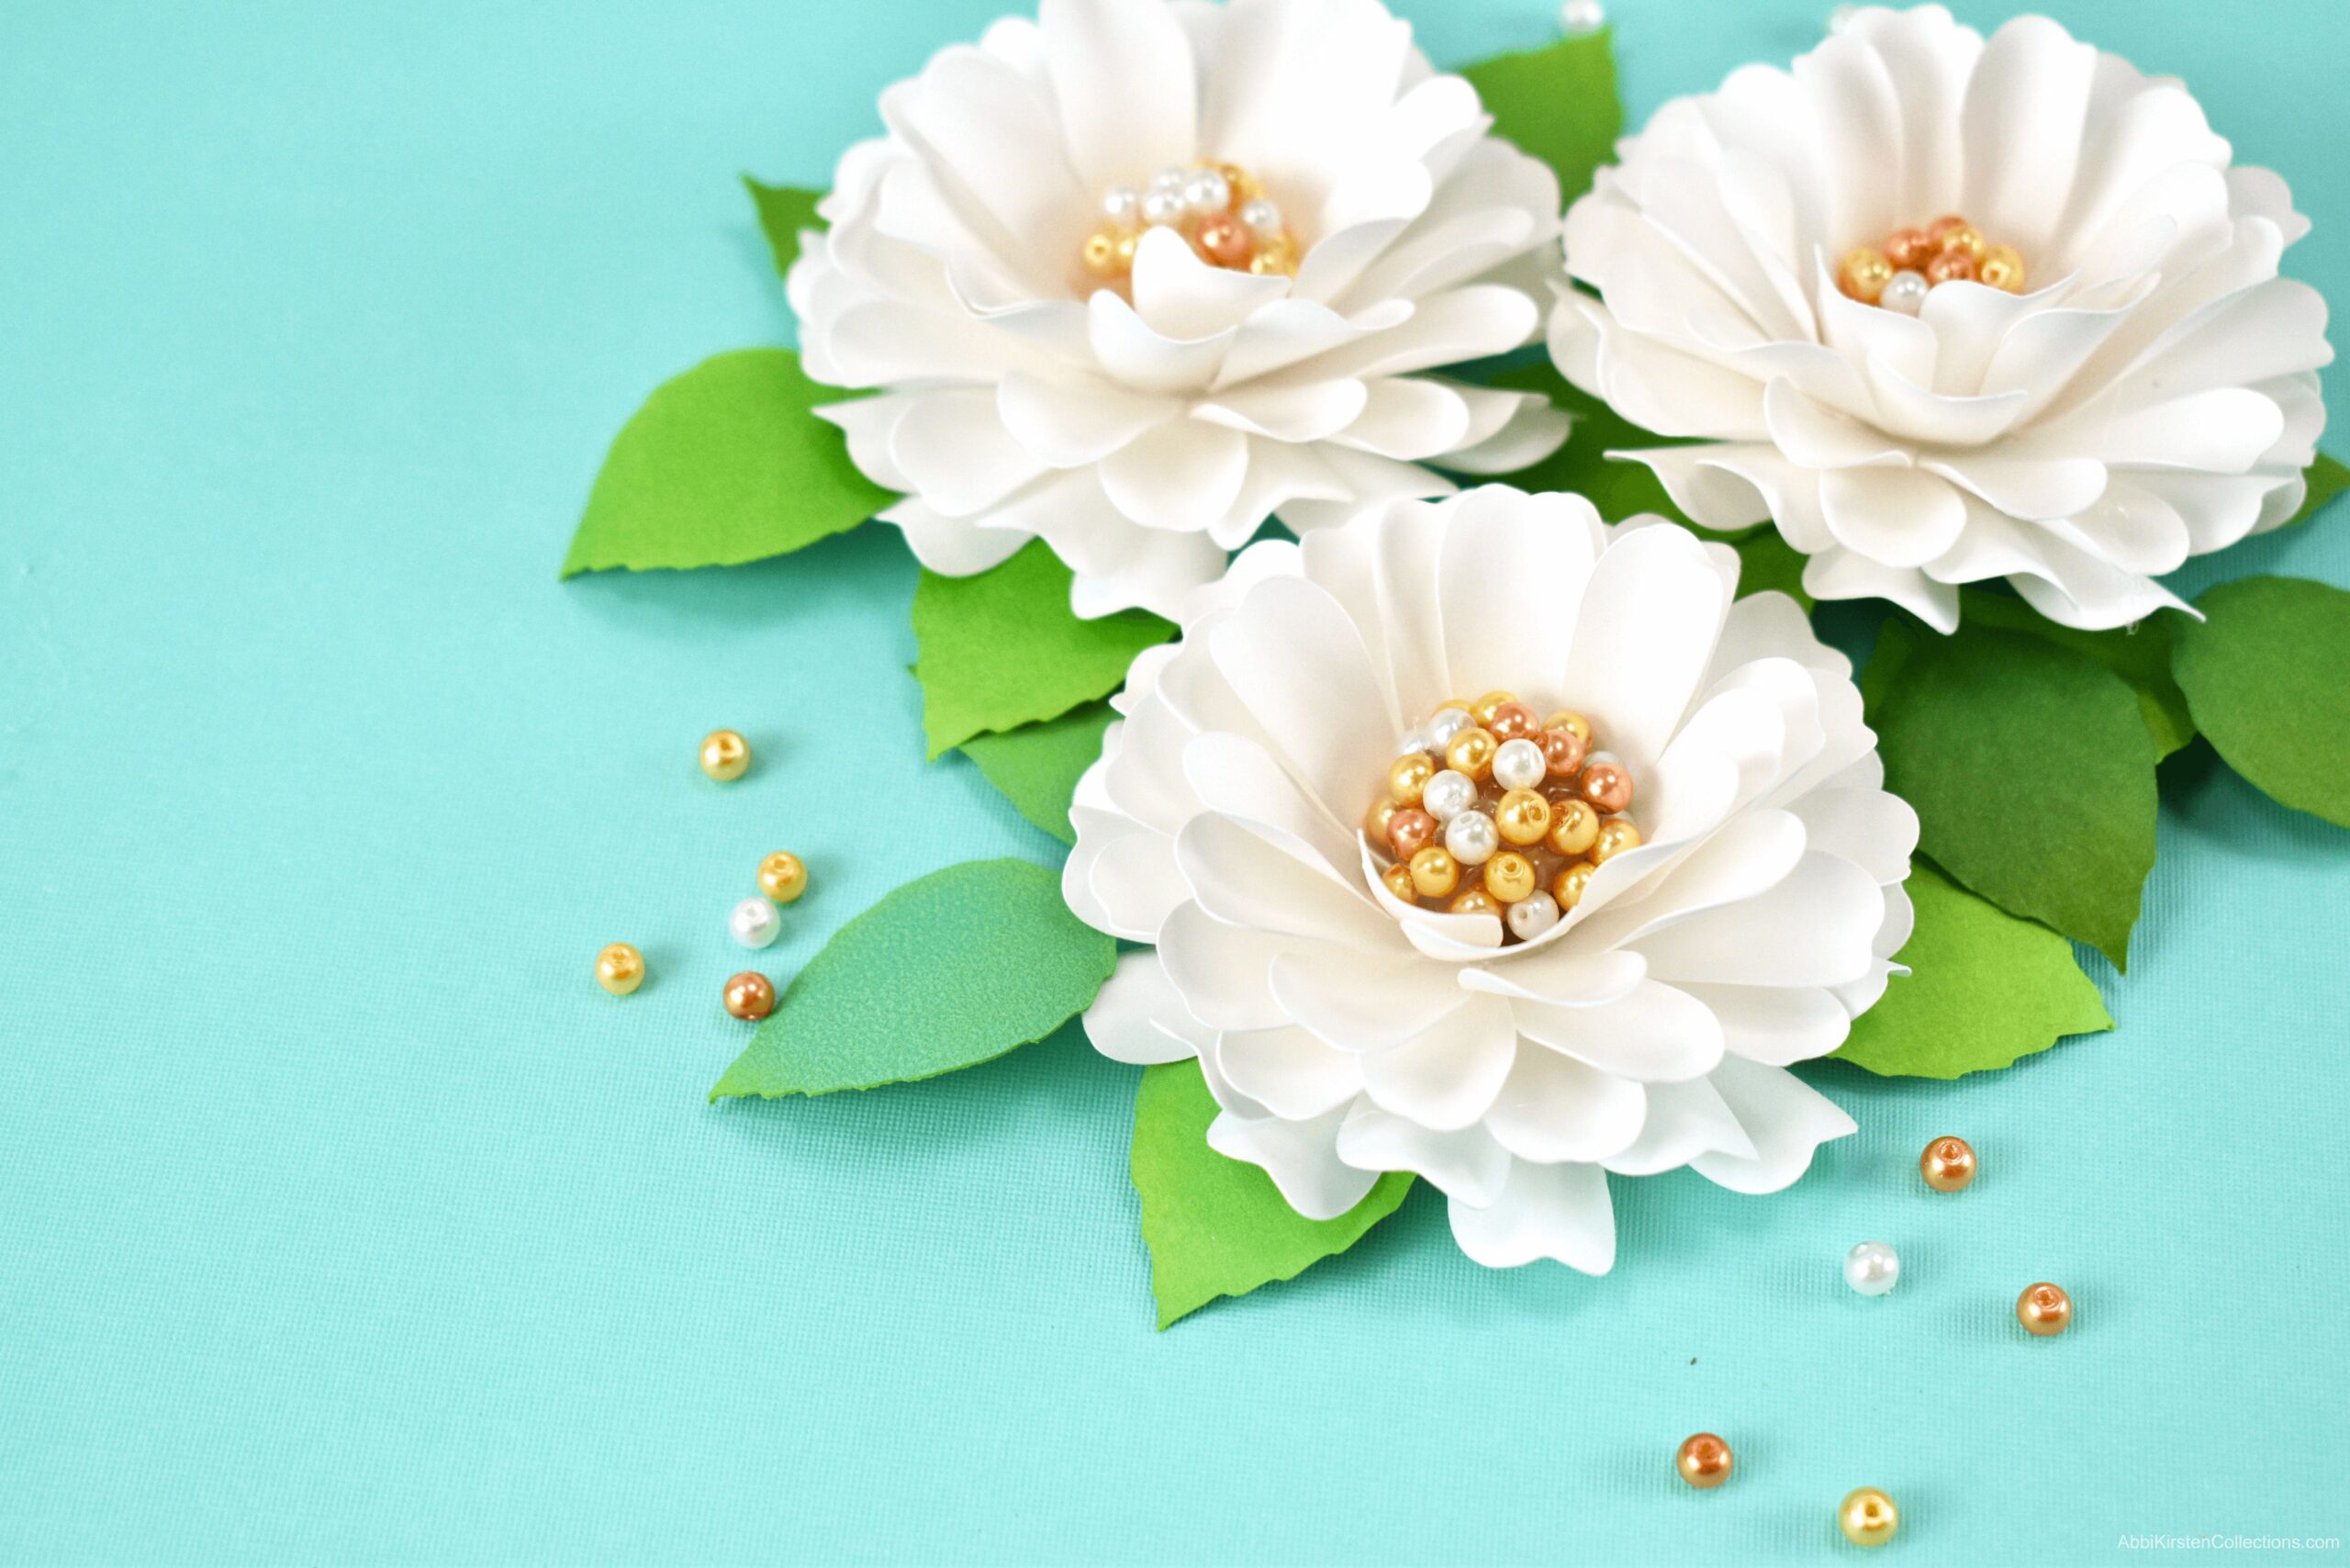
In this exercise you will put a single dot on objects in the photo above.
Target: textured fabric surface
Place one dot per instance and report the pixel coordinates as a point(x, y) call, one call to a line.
point(342, 1218)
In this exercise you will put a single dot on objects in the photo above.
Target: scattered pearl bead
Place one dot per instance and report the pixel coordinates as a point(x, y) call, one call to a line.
point(1532, 915)
point(1867, 1517)
point(1872, 1268)
point(1948, 1164)
point(1161, 208)
point(725, 756)
point(1520, 765)
point(1206, 191)
point(755, 923)
point(1445, 723)
point(1447, 795)
point(2044, 1309)
point(1905, 291)
point(1704, 1460)
point(782, 876)
point(1264, 219)
point(750, 996)
point(1121, 205)
point(1472, 838)
point(1579, 16)
point(620, 968)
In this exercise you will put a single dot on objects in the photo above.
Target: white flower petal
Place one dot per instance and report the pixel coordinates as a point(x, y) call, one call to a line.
point(1123, 78)
point(1296, 661)
point(1467, 1164)
point(1560, 975)
point(1301, 1157)
point(1123, 1022)
point(1560, 1212)
point(1812, 928)
point(1644, 636)
point(952, 546)
point(1069, 424)
point(1446, 1076)
point(1684, 1121)
point(1655, 1034)
point(1179, 295)
point(1288, 1072)
point(1552, 1107)
point(1363, 1002)
point(1787, 1120)
point(1775, 1024)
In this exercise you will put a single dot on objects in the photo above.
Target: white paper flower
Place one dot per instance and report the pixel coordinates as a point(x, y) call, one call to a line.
point(1345, 1032)
point(1147, 422)
point(2142, 391)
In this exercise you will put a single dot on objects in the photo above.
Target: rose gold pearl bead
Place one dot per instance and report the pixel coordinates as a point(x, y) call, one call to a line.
point(1381, 812)
point(1410, 831)
point(1435, 873)
point(1568, 886)
point(1398, 879)
point(1476, 900)
point(1606, 786)
point(2044, 1309)
point(1513, 721)
point(1616, 835)
point(1942, 228)
point(1471, 752)
point(1573, 825)
point(1911, 248)
point(750, 995)
point(1223, 240)
point(1563, 752)
point(1704, 1460)
point(1407, 775)
point(1509, 876)
point(1522, 817)
point(1951, 266)
point(1572, 722)
point(1948, 1164)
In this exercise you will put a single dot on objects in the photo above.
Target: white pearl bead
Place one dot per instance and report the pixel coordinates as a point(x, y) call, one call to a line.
point(1583, 15)
point(1162, 207)
point(1905, 291)
point(1520, 765)
point(1207, 191)
point(1447, 795)
point(1532, 915)
point(1414, 742)
point(1447, 723)
point(1872, 1268)
point(1170, 179)
point(1472, 838)
point(1264, 220)
point(754, 922)
point(1121, 205)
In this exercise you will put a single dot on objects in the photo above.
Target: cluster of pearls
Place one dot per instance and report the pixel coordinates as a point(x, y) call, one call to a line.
point(1520, 809)
point(1219, 208)
point(1911, 261)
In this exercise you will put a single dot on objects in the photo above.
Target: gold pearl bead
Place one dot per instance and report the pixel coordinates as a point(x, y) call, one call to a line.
point(1864, 273)
point(1948, 1164)
point(1572, 722)
point(725, 756)
point(1471, 752)
point(1522, 817)
point(1615, 836)
point(1382, 812)
point(1127, 243)
point(1574, 826)
point(1568, 886)
point(1101, 253)
point(1965, 240)
point(1435, 873)
point(2002, 268)
point(1509, 876)
point(1245, 186)
point(1867, 1517)
point(620, 968)
point(1483, 709)
point(1476, 900)
point(1704, 1460)
point(2044, 1309)
point(1398, 879)
point(750, 995)
point(782, 876)
point(1276, 257)
point(1407, 775)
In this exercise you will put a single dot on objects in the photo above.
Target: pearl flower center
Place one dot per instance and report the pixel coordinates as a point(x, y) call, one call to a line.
point(1220, 208)
point(1897, 275)
point(1489, 810)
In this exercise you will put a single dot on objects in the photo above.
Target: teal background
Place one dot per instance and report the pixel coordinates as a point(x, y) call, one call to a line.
point(342, 1218)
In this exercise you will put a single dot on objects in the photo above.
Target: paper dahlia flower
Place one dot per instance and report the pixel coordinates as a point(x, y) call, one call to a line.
point(1946, 309)
point(1133, 276)
point(1615, 983)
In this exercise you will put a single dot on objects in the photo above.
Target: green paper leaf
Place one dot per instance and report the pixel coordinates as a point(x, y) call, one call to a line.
point(2264, 675)
point(1767, 562)
point(1984, 989)
point(1036, 766)
point(2139, 654)
point(950, 971)
point(1002, 649)
point(1619, 489)
point(2326, 479)
point(723, 464)
point(1219, 1226)
point(2032, 771)
point(783, 211)
point(1558, 104)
